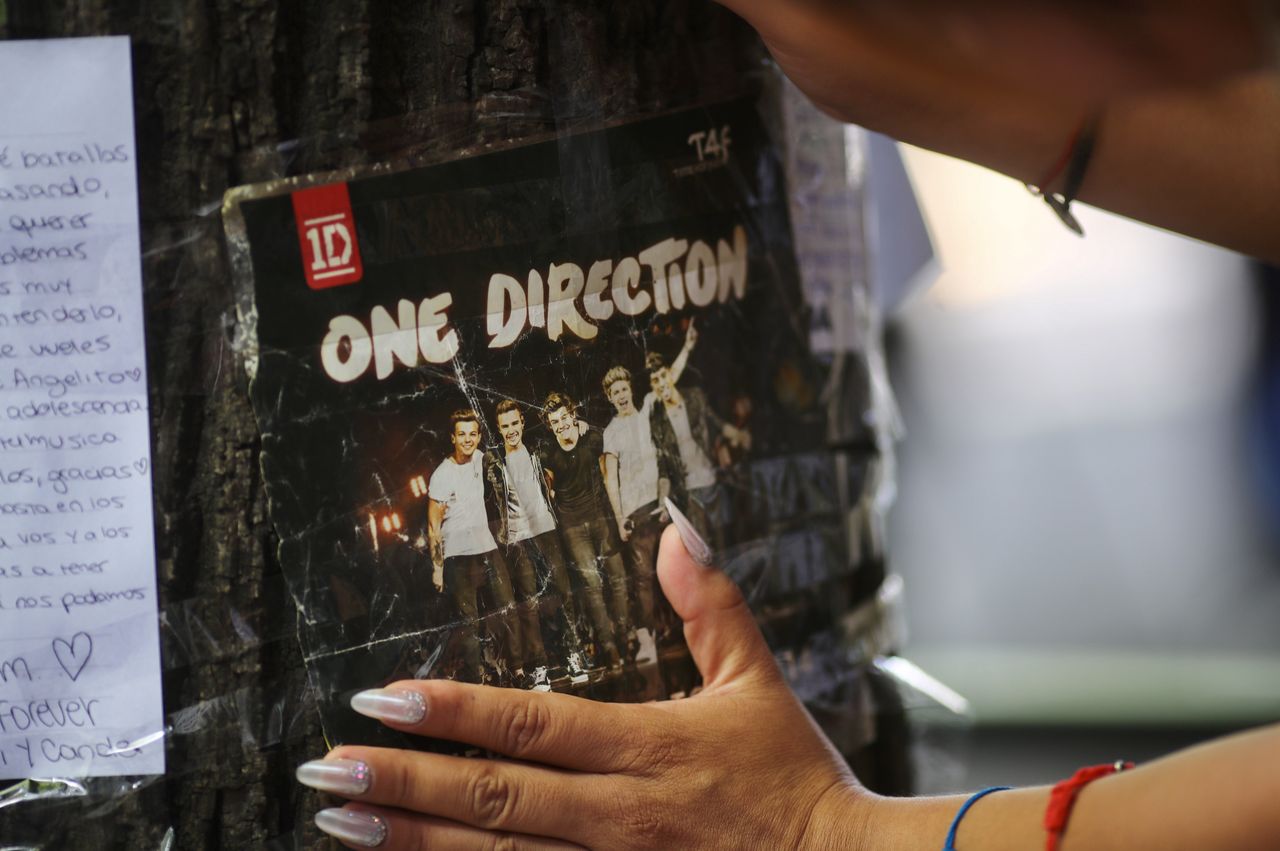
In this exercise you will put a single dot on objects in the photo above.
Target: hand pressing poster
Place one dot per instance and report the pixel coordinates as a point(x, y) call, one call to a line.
point(478, 383)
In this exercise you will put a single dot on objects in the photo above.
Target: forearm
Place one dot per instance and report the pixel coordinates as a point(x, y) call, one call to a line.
point(615, 504)
point(1216, 797)
point(1202, 162)
point(435, 541)
point(681, 361)
point(1219, 796)
point(1206, 163)
point(1199, 159)
point(611, 487)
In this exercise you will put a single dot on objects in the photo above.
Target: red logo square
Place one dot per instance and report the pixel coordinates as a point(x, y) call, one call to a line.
point(327, 234)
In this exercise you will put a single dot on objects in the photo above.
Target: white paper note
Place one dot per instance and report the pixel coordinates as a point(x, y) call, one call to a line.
point(79, 646)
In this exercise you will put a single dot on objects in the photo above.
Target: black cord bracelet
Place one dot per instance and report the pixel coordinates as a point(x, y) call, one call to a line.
point(1080, 154)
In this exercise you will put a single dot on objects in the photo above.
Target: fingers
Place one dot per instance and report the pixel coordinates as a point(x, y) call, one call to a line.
point(487, 794)
point(363, 826)
point(553, 729)
point(721, 632)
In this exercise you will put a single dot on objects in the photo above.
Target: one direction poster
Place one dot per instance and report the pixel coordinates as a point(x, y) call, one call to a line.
point(478, 382)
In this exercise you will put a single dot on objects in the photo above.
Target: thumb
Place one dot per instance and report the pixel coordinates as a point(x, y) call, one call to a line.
point(719, 628)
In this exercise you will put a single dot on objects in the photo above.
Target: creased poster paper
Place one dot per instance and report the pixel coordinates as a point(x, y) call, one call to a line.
point(479, 380)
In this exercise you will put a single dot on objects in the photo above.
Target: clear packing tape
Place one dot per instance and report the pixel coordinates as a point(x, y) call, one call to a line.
point(262, 641)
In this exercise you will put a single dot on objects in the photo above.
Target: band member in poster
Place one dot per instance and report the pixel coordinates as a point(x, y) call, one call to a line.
point(464, 554)
point(631, 479)
point(685, 432)
point(735, 475)
point(730, 453)
point(577, 486)
point(532, 549)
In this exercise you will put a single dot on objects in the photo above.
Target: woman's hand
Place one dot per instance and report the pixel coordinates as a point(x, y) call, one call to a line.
point(1190, 94)
point(996, 82)
point(859, 58)
point(741, 764)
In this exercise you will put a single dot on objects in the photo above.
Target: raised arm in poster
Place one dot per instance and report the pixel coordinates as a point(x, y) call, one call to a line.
point(477, 382)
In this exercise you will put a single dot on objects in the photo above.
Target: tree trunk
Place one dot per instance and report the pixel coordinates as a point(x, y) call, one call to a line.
point(229, 92)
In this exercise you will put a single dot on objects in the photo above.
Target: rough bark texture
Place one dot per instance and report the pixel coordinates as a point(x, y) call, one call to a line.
point(236, 91)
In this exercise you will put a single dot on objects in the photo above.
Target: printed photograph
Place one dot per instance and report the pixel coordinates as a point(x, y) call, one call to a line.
point(485, 385)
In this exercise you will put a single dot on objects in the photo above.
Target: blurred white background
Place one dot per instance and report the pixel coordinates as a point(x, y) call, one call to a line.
point(1078, 521)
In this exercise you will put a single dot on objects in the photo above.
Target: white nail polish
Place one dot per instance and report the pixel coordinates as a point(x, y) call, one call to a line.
point(398, 707)
point(364, 829)
point(694, 545)
point(338, 776)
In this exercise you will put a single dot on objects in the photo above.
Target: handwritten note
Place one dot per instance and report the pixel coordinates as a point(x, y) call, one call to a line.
point(79, 649)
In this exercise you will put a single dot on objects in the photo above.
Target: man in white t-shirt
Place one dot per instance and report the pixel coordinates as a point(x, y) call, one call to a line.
point(532, 548)
point(634, 487)
point(464, 554)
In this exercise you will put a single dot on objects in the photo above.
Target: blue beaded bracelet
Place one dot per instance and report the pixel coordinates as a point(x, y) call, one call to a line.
point(964, 809)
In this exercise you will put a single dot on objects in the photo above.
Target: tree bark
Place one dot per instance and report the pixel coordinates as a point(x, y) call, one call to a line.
point(229, 92)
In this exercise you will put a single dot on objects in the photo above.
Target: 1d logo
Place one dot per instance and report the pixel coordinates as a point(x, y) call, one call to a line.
point(326, 232)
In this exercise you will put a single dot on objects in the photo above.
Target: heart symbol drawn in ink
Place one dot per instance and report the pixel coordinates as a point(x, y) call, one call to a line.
point(73, 655)
point(142, 465)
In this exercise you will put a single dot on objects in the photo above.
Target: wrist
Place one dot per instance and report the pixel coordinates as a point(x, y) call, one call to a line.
point(843, 818)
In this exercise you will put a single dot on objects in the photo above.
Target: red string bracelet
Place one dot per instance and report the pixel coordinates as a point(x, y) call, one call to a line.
point(1041, 186)
point(1063, 798)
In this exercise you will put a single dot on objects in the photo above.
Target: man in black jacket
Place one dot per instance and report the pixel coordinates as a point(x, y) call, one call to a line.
point(685, 429)
point(576, 483)
point(531, 545)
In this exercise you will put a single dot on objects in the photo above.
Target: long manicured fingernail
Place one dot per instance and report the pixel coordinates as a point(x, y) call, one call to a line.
point(398, 707)
point(694, 545)
point(364, 829)
point(339, 776)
